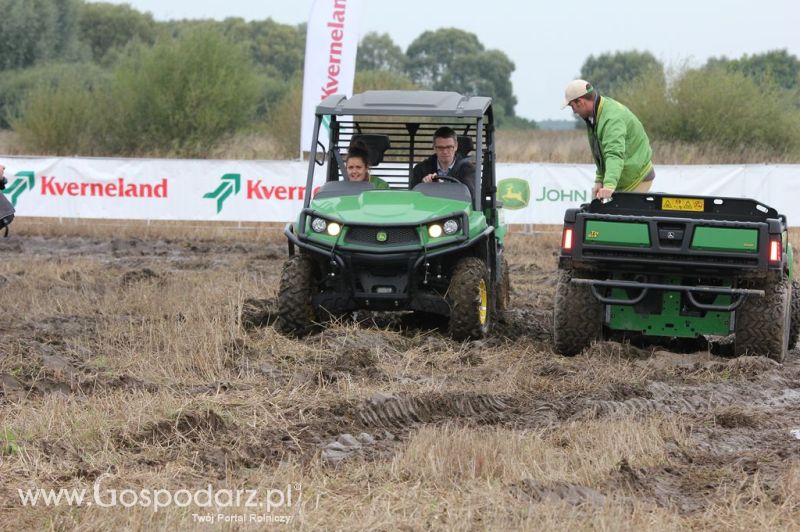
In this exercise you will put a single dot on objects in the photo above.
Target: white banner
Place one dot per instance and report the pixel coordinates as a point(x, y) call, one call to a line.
point(330, 61)
point(553, 188)
point(273, 191)
point(157, 189)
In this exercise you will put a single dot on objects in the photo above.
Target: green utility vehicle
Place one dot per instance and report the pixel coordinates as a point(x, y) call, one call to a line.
point(679, 267)
point(433, 250)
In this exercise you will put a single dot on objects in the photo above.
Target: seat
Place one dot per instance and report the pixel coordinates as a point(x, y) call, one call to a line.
point(465, 146)
point(376, 146)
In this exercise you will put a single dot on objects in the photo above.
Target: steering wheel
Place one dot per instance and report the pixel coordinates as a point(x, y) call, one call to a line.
point(446, 178)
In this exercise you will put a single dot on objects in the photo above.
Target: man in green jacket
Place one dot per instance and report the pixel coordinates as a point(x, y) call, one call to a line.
point(619, 144)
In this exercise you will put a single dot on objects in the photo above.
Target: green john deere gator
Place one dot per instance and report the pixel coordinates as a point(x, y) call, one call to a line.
point(433, 250)
point(673, 266)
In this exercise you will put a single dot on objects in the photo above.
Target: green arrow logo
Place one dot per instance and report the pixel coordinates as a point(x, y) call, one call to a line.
point(231, 184)
point(25, 181)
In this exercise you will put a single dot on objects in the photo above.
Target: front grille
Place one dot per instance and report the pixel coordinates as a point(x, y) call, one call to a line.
point(395, 236)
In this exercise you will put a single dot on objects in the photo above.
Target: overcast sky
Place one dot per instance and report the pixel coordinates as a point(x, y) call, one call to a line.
point(549, 41)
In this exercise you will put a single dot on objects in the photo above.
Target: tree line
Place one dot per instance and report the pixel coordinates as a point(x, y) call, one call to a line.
point(102, 79)
point(752, 102)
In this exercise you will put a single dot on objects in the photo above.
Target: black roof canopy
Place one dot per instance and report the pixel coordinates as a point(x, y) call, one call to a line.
point(406, 103)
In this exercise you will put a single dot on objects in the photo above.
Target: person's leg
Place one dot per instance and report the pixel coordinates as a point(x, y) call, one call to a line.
point(644, 186)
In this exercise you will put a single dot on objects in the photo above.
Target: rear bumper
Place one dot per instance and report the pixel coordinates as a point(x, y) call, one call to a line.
point(739, 294)
point(669, 255)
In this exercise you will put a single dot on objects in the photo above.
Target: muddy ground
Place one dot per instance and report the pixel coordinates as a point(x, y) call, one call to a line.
point(151, 361)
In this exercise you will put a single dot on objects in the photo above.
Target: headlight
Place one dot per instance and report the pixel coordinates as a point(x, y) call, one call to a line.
point(450, 227)
point(334, 228)
point(319, 225)
point(435, 230)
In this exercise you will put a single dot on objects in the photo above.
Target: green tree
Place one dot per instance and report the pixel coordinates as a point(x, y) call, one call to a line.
point(610, 72)
point(716, 107)
point(776, 66)
point(277, 51)
point(450, 59)
point(105, 27)
point(431, 54)
point(372, 80)
point(59, 118)
point(180, 96)
point(37, 30)
point(486, 73)
point(377, 51)
point(16, 84)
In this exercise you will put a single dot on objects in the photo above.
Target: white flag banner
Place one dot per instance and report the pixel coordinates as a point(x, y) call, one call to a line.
point(330, 64)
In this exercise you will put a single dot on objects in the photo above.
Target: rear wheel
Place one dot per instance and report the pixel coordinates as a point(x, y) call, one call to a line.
point(296, 315)
point(794, 327)
point(468, 297)
point(762, 323)
point(577, 316)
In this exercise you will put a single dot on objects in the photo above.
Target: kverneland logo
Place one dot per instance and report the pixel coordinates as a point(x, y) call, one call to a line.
point(114, 189)
point(25, 181)
point(258, 190)
point(231, 184)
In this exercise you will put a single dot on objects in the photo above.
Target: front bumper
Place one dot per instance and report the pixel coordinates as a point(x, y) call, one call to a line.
point(396, 280)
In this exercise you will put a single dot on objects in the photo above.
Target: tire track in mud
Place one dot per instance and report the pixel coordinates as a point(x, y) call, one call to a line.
point(677, 399)
point(656, 397)
point(401, 411)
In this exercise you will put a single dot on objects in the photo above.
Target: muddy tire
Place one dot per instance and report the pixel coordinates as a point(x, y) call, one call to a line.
point(577, 317)
point(468, 297)
point(504, 288)
point(296, 315)
point(762, 323)
point(794, 326)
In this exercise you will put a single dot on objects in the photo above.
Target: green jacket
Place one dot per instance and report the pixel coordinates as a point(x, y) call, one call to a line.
point(620, 146)
point(379, 183)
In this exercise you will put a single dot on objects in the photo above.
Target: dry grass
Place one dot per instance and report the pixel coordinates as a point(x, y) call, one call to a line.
point(514, 146)
point(572, 147)
point(136, 370)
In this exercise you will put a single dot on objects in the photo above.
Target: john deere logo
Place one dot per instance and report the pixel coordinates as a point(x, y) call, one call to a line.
point(25, 181)
point(515, 193)
point(231, 184)
point(381, 236)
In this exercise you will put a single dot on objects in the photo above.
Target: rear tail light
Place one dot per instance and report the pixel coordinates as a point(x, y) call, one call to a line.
point(775, 250)
point(566, 240)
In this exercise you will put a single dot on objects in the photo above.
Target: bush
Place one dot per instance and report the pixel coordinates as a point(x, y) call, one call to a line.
point(179, 97)
point(723, 108)
point(284, 120)
point(58, 118)
point(16, 84)
point(374, 80)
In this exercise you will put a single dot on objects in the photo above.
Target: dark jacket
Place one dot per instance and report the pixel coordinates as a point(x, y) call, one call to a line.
point(462, 169)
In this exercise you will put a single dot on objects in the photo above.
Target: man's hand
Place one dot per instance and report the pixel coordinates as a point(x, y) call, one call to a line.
point(429, 178)
point(603, 193)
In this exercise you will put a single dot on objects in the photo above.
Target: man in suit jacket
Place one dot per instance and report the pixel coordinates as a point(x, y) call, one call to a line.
point(445, 162)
